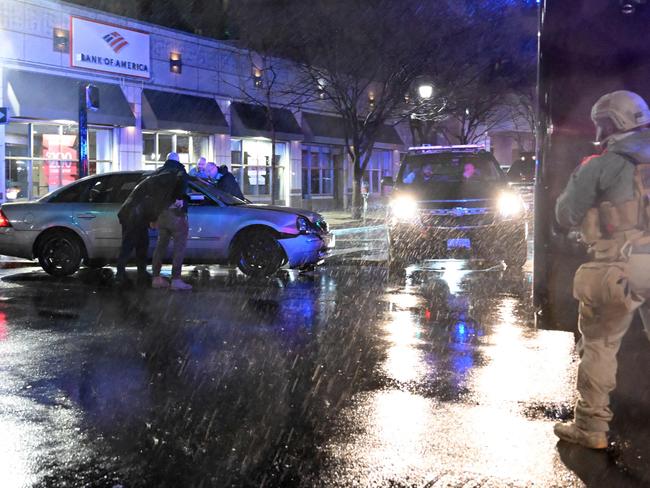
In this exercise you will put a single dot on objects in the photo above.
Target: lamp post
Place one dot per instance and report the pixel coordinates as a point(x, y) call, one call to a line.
point(425, 90)
point(425, 107)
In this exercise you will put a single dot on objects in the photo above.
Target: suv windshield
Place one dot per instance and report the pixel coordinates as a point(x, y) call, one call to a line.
point(425, 169)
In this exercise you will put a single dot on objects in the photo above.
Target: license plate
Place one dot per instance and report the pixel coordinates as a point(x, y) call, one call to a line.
point(461, 243)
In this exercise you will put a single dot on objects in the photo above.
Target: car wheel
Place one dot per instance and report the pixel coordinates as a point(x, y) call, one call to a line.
point(60, 253)
point(259, 254)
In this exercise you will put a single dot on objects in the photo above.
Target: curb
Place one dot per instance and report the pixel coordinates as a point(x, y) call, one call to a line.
point(17, 264)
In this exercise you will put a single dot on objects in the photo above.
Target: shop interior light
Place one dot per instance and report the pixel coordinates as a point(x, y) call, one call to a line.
point(60, 40)
point(371, 100)
point(257, 77)
point(175, 63)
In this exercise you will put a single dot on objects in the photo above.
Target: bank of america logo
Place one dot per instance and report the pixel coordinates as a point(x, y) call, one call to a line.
point(116, 41)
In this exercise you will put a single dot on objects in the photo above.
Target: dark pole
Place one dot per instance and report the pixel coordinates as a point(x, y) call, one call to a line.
point(83, 131)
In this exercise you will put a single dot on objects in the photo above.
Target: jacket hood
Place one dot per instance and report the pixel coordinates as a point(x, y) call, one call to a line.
point(171, 165)
point(636, 145)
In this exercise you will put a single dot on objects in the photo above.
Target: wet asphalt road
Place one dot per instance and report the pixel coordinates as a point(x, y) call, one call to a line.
point(344, 377)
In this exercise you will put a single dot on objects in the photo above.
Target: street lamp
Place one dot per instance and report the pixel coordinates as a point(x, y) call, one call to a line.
point(425, 91)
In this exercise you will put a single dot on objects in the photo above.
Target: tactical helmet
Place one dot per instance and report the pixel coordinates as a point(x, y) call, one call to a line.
point(622, 109)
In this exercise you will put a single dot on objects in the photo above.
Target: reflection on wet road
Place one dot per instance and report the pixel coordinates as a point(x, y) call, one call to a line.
point(344, 377)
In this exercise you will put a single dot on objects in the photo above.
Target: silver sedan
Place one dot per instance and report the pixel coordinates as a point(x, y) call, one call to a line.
point(78, 223)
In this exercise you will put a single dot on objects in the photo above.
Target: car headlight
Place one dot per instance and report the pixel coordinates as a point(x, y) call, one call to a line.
point(303, 225)
point(510, 205)
point(404, 209)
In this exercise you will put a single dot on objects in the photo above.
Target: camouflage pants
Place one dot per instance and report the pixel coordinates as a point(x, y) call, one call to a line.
point(602, 331)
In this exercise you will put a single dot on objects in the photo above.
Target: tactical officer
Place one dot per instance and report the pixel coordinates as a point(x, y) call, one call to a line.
point(606, 197)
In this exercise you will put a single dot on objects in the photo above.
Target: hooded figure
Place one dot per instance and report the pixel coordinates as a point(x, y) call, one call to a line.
point(227, 183)
point(143, 206)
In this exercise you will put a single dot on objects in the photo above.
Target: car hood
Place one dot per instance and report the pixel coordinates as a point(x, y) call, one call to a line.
point(452, 193)
point(313, 216)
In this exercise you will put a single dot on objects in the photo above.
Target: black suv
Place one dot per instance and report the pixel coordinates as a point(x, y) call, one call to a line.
point(454, 201)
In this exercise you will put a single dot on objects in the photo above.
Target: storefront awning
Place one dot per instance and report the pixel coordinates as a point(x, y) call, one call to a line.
point(323, 129)
point(49, 97)
point(388, 135)
point(251, 121)
point(175, 111)
point(328, 129)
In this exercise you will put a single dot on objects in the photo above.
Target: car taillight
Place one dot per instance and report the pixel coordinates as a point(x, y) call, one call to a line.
point(4, 221)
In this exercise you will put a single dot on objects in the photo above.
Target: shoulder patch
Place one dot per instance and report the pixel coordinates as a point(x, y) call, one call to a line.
point(589, 158)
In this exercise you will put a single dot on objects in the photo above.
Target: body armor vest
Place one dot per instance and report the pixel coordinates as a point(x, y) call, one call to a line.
point(608, 227)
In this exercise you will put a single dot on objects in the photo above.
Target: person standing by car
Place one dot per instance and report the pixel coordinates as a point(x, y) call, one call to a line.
point(606, 197)
point(143, 206)
point(172, 224)
point(228, 183)
point(199, 170)
point(213, 172)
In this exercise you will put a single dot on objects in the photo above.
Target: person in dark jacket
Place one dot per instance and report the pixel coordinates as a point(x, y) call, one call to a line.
point(228, 183)
point(143, 206)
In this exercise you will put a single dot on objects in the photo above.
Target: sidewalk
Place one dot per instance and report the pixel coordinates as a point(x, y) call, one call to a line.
point(342, 219)
point(8, 262)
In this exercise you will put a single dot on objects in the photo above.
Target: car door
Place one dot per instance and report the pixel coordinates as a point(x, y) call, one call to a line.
point(95, 214)
point(206, 241)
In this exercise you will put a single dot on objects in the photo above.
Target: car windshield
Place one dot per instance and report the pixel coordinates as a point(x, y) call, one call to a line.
point(212, 190)
point(442, 168)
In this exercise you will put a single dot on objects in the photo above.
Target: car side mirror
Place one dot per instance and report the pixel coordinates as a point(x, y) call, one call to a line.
point(387, 181)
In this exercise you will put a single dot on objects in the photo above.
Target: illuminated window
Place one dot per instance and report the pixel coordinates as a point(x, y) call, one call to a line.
point(251, 165)
point(41, 157)
point(189, 146)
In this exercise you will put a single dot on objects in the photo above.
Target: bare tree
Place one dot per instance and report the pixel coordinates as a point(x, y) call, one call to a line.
point(363, 56)
point(359, 56)
point(264, 89)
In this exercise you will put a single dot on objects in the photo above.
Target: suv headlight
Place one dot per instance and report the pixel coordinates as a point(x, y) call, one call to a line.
point(510, 205)
point(404, 209)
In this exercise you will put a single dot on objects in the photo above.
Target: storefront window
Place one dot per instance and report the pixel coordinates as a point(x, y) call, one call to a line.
point(380, 165)
point(251, 165)
point(200, 148)
point(165, 146)
point(42, 157)
point(17, 160)
point(317, 171)
point(183, 149)
point(189, 147)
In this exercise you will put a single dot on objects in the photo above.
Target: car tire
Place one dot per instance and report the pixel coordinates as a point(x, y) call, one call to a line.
point(259, 254)
point(60, 253)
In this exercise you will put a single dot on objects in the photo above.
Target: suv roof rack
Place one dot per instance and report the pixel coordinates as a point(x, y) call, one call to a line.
point(429, 149)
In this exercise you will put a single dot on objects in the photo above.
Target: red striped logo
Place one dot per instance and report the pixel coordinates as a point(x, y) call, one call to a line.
point(116, 41)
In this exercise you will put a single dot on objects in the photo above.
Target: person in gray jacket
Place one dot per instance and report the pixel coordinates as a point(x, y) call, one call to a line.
point(606, 197)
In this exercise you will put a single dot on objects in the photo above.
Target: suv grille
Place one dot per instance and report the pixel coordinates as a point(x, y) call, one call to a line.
point(457, 217)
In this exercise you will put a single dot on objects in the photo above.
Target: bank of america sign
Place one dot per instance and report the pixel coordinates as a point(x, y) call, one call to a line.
point(109, 48)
